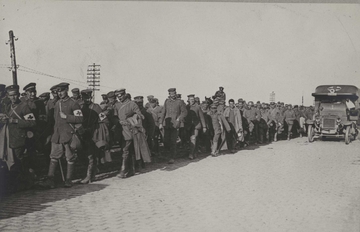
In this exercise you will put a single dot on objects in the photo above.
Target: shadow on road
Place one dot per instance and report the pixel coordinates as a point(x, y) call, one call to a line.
point(25, 202)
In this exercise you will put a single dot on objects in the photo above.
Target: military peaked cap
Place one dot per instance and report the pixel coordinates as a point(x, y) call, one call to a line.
point(86, 92)
point(12, 89)
point(120, 91)
point(46, 94)
point(191, 95)
point(172, 90)
point(53, 88)
point(75, 90)
point(150, 96)
point(30, 86)
point(110, 94)
point(62, 85)
point(138, 98)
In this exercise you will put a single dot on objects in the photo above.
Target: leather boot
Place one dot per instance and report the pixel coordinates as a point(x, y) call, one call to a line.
point(192, 147)
point(49, 181)
point(90, 171)
point(124, 167)
point(214, 149)
point(69, 175)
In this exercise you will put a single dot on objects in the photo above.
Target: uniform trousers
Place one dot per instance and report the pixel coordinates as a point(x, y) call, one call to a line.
point(58, 149)
point(170, 137)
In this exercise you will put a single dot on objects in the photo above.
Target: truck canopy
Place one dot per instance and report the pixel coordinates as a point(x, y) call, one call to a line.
point(332, 92)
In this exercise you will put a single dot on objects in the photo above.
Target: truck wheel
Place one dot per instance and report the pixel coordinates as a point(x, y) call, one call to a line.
point(310, 133)
point(347, 135)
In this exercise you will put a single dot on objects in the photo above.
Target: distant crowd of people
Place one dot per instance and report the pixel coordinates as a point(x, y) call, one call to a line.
point(65, 125)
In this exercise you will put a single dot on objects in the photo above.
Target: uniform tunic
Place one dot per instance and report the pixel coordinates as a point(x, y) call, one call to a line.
point(195, 117)
point(62, 129)
point(26, 120)
point(174, 112)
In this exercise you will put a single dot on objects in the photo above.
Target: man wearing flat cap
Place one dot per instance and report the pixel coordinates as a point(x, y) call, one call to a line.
point(173, 114)
point(95, 133)
point(195, 121)
point(124, 110)
point(77, 96)
point(220, 97)
point(16, 124)
point(68, 117)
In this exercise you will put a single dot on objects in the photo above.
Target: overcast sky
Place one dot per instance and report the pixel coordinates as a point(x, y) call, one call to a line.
point(251, 49)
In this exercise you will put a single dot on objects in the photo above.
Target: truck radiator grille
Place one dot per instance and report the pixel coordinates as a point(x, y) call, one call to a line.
point(329, 123)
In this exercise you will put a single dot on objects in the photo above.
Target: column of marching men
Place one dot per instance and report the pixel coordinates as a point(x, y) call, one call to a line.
point(31, 125)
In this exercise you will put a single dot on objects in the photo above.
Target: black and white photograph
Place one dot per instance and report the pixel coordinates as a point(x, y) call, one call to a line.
point(180, 116)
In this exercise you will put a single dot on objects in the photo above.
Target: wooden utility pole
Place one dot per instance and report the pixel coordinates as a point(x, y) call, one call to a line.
point(12, 56)
point(93, 76)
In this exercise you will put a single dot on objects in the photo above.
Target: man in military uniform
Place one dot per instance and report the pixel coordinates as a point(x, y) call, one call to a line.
point(197, 101)
point(95, 133)
point(264, 122)
point(195, 121)
point(4, 100)
point(219, 126)
point(289, 117)
point(155, 111)
point(18, 120)
point(23, 96)
point(148, 123)
point(148, 104)
point(67, 114)
point(77, 97)
point(233, 116)
point(206, 138)
point(114, 126)
point(173, 113)
point(104, 101)
point(220, 97)
point(253, 116)
point(182, 130)
point(45, 97)
point(37, 138)
point(124, 109)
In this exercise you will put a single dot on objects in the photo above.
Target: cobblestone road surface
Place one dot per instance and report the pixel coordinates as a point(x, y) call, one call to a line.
point(284, 186)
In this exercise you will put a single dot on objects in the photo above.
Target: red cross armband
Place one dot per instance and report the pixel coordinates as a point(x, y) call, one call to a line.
point(78, 113)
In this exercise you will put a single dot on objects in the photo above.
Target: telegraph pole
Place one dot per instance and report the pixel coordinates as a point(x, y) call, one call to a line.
point(12, 56)
point(93, 78)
